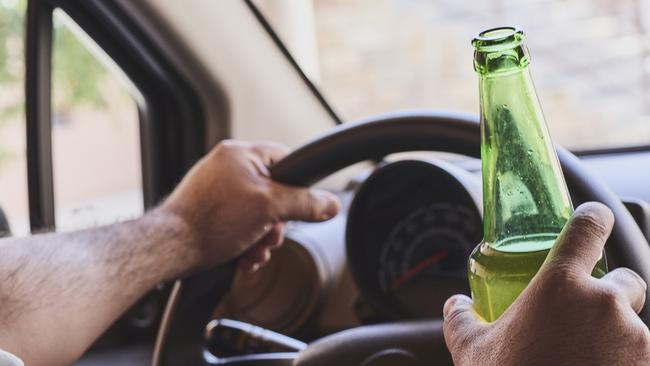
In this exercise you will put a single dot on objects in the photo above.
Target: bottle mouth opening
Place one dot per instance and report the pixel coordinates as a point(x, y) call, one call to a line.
point(498, 38)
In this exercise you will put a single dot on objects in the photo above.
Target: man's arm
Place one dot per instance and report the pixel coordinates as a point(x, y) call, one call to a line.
point(565, 316)
point(59, 292)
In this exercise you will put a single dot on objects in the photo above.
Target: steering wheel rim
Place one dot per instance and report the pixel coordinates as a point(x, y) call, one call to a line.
point(180, 339)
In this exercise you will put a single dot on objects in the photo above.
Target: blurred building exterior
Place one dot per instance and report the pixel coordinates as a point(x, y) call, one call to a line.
point(590, 59)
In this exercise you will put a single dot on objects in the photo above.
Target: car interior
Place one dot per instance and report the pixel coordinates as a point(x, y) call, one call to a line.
point(367, 287)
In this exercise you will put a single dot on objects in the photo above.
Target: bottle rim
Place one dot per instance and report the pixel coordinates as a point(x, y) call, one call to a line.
point(498, 38)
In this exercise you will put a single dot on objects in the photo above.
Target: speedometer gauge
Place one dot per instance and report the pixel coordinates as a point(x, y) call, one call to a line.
point(410, 231)
point(428, 246)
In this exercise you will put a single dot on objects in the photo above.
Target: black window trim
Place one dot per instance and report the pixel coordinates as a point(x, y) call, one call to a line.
point(172, 121)
point(285, 51)
point(38, 61)
point(612, 150)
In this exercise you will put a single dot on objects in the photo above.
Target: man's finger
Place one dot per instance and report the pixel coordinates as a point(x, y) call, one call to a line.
point(629, 284)
point(269, 152)
point(274, 237)
point(254, 258)
point(293, 203)
point(248, 266)
point(581, 243)
point(260, 253)
point(460, 322)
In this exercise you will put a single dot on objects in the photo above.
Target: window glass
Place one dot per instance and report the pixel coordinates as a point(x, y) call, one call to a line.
point(590, 59)
point(13, 169)
point(96, 145)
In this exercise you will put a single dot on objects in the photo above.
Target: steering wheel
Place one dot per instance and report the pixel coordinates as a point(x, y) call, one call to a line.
point(181, 336)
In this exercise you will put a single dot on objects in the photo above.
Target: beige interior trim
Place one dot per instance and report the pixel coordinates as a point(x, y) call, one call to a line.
point(223, 48)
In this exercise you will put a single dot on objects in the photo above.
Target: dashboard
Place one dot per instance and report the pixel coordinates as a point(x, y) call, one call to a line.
point(397, 251)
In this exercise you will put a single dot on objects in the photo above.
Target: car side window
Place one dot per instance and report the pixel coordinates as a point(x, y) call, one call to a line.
point(13, 166)
point(95, 134)
point(96, 157)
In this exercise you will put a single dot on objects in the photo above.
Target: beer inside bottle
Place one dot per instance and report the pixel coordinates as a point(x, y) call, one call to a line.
point(525, 199)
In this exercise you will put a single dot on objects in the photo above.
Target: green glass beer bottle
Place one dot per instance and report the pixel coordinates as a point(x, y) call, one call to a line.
point(525, 199)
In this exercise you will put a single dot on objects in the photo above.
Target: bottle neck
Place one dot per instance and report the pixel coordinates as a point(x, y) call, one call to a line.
point(490, 62)
point(500, 50)
point(524, 193)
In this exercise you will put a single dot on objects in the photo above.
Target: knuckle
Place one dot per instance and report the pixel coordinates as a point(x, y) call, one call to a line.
point(633, 277)
point(552, 279)
point(227, 146)
point(556, 286)
point(452, 318)
point(589, 222)
point(563, 275)
point(311, 207)
point(273, 145)
point(263, 199)
point(608, 299)
point(258, 145)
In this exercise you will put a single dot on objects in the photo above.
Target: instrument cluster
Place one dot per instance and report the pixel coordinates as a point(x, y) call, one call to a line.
point(411, 228)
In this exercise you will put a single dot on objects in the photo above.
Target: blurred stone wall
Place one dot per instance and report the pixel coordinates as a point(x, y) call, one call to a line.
point(590, 60)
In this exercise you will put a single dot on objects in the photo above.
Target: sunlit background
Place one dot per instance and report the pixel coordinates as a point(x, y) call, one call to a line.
point(590, 58)
point(95, 134)
point(590, 62)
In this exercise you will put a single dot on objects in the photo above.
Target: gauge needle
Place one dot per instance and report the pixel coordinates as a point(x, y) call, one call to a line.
point(398, 282)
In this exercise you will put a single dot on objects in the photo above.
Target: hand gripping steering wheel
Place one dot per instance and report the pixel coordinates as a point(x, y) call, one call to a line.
point(181, 336)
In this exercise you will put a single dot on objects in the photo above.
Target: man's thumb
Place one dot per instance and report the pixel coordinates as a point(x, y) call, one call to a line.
point(581, 243)
point(304, 204)
point(461, 322)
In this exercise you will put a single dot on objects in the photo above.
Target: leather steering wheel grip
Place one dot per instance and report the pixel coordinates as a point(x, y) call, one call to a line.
point(376, 137)
point(408, 343)
point(180, 337)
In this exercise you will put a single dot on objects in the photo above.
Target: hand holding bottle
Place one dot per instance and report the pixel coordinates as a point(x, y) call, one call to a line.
point(526, 202)
point(565, 316)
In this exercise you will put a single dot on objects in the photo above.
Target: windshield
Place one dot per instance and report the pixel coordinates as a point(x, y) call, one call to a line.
point(590, 59)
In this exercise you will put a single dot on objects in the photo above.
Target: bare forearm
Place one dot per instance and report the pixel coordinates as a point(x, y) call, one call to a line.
point(59, 292)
